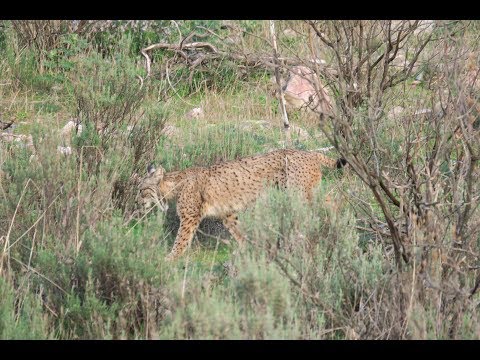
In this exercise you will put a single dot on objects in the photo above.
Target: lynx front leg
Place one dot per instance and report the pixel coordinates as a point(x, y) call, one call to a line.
point(188, 226)
point(231, 223)
point(188, 209)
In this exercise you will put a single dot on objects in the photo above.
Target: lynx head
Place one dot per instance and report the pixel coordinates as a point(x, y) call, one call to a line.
point(149, 194)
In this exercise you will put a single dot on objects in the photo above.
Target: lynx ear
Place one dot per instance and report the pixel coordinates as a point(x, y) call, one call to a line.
point(151, 169)
point(341, 163)
point(155, 173)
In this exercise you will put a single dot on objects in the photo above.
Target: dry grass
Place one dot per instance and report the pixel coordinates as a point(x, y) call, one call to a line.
point(73, 268)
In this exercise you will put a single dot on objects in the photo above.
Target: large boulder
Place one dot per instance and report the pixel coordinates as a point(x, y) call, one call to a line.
point(300, 93)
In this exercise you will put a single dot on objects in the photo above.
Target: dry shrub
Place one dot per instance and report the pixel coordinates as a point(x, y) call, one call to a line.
point(420, 170)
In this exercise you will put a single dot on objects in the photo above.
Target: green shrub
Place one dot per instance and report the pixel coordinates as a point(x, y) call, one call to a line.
point(21, 313)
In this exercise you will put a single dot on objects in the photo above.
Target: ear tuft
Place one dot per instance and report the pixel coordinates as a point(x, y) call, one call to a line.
point(341, 163)
point(151, 169)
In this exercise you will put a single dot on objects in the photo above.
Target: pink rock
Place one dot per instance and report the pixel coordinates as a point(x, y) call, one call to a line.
point(300, 92)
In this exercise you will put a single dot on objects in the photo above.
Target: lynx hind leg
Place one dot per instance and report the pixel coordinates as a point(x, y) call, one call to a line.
point(308, 193)
point(231, 223)
point(188, 209)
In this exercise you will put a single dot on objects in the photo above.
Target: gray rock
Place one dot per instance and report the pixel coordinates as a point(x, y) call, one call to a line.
point(65, 150)
point(70, 127)
point(196, 113)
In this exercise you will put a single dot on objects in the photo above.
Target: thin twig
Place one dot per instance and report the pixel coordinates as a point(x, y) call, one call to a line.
point(41, 275)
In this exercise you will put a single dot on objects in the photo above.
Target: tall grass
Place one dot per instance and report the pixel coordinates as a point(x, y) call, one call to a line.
point(72, 267)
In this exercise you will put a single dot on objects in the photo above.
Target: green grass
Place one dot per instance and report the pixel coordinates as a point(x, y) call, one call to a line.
point(75, 269)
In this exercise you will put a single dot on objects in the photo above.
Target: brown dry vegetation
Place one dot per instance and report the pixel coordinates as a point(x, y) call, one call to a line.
point(390, 250)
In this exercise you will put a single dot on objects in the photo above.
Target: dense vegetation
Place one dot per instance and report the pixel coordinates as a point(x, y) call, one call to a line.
point(388, 250)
